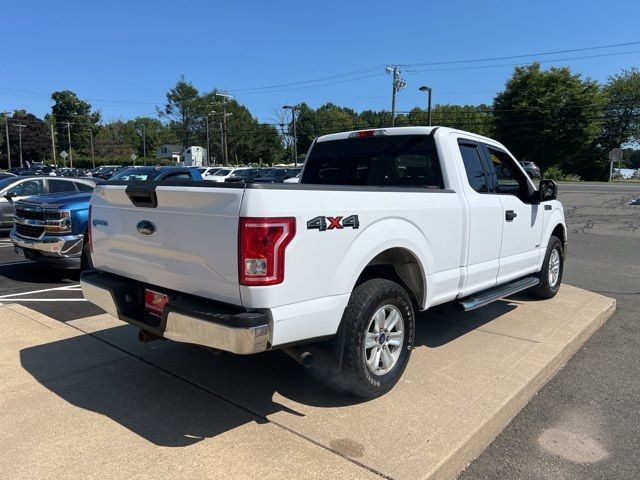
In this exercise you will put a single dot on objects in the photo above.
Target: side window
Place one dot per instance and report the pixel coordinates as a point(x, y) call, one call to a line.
point(28, 188)
point(58, 186)
point(508, 177)
point(177, 176)
point(84, 188)
point(476, 173)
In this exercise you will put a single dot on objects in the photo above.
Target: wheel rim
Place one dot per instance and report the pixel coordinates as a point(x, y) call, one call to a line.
point(383, 339)
point(554, 267)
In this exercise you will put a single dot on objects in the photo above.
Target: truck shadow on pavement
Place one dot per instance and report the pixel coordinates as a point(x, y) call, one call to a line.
point(175, 395)
point(37, 273)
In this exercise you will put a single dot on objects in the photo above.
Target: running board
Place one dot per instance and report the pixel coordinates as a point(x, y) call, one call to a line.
point(481, 299)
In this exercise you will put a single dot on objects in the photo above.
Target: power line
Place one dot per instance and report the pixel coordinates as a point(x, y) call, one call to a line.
point(538, 54)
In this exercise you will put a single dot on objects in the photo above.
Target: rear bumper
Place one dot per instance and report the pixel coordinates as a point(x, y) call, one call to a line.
point(186, 318)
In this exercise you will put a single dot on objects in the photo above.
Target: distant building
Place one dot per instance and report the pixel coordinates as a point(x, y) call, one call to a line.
point(194, 157)
point(169, 152)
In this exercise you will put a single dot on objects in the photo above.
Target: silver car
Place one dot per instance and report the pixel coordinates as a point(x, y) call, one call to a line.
point(17, 188)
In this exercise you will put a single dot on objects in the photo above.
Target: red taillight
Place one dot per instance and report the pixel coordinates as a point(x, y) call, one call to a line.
point(261, 246)
point(89, 232)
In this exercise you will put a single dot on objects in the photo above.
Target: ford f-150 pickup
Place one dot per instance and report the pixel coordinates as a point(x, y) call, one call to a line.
point(331, 270)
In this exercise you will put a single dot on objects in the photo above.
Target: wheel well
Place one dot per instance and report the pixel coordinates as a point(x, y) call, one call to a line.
point(401, 266)
point(559, 232)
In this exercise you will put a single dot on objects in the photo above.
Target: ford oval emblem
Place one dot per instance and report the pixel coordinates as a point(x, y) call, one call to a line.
point(145, 227)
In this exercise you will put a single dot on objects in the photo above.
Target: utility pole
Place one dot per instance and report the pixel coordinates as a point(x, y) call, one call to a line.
point(20, 126)
point(53, 146)
point(69, 138)
point(93, 157)
point(225, 146)
point(6, 127)
point(295, 138)
point(397, 84)
point(144, 144)
point(222, 142)
point(206, 118)
point(428, 90)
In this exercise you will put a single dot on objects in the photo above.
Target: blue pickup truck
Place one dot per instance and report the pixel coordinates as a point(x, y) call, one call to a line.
point(52, 228)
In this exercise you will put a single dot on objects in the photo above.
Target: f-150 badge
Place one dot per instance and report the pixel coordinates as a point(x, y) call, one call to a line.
point(333, 223)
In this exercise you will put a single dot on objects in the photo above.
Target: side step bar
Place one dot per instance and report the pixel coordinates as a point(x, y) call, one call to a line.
point(485, 297)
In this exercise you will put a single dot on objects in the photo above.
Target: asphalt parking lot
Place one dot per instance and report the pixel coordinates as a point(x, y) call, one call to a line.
point(593, 397)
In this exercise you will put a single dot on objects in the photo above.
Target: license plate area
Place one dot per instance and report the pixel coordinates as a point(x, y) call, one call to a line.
point(154, 302)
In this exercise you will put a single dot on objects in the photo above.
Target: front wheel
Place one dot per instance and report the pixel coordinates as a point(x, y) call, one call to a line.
point(552, 268)
point(379, 331)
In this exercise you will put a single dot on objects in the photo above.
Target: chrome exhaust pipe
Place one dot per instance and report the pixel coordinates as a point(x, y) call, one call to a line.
point(303, 357)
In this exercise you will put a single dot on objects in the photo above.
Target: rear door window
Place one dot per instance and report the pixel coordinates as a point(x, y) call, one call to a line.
point(59, 186)
point(473, 165)
point(395, 160)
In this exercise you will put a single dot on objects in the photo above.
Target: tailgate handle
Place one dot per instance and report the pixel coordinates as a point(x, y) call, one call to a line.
point(142, 196)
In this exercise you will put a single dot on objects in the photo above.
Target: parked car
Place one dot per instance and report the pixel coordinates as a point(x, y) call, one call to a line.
point(108, 171)
point(244, 175)
point(39, 170)
point(53, 228)
point(223, 173)
point(277, 175)
point(16, 170)
point(6, 175)
point(144, 174)
point(18, 188)
point(383, 222)
point(531, 168)
point(207, 172)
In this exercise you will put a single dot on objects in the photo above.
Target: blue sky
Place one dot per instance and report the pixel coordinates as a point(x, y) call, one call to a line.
point(123, 56)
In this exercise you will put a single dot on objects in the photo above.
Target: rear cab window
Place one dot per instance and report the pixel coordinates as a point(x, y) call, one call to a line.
point(393, 160)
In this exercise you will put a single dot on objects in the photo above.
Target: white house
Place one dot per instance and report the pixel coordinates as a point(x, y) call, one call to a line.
point(168, 151)
point(194, 156)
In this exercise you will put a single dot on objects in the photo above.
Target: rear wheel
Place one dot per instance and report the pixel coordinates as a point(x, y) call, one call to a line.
point(379, 330)
point(552, 268)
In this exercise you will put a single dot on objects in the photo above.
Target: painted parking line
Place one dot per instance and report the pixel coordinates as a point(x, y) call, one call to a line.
point(16, 297)
point(75, 287)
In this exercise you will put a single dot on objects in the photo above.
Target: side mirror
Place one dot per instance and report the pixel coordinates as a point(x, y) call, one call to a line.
point(548, 190)
point(9, 196)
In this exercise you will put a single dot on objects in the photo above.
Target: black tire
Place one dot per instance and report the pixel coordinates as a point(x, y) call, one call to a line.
point(85, 259)
point(371, 297)
point(547, 288)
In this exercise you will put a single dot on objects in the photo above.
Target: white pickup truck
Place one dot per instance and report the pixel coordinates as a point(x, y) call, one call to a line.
point(383, 223)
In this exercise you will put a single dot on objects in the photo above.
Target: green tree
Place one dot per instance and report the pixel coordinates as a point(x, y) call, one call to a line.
point(68, 107)
point(621, 112)
point(547, 116)
point(149, 131)
point(184, 111)
point(36, 139)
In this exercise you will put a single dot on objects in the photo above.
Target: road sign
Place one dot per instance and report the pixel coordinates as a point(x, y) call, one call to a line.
point(133, 157)
point(64, 154)
point(615, 154)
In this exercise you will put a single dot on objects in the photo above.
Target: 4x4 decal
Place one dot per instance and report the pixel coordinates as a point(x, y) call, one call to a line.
point(333, 223)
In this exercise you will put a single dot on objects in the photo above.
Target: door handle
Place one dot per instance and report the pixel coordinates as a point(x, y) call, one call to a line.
point(509, 215)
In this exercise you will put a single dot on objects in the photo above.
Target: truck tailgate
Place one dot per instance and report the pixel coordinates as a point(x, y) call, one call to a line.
point(186, 242)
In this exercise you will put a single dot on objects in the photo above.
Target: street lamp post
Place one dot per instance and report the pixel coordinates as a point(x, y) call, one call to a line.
point(428, 90)
point(295, 138)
